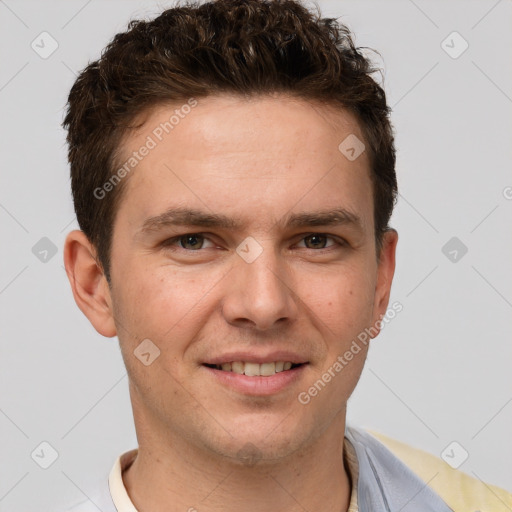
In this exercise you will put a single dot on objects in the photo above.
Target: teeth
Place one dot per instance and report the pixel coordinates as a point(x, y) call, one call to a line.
point(266, 369)
point(252, 369)
point(279, 366)
point(255, 369)
point(238, 367)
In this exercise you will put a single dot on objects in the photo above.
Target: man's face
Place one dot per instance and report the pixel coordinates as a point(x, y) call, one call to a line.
point(273, 283)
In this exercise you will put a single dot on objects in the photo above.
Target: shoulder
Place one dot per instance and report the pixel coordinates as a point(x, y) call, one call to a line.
point(460, 491)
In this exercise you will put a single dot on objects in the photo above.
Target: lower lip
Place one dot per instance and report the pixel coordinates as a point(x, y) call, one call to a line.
point(258, 386)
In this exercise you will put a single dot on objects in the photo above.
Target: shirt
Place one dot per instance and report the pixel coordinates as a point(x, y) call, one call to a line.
point(385, 475)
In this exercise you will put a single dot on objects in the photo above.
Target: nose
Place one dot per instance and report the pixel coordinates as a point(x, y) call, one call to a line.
point(259, 294)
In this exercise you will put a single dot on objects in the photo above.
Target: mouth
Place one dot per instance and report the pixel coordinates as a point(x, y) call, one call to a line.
point(257, 378)
point(252, 369)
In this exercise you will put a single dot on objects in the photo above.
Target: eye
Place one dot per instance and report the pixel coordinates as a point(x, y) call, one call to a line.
point(318, 241)
point(189, 242)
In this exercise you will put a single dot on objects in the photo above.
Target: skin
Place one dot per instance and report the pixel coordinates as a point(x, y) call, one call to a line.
point(257, 161)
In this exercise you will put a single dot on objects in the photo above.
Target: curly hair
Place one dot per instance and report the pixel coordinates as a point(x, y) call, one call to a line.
point(246, 47)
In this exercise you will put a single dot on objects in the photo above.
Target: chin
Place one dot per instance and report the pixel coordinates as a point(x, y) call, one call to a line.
point(260, 441)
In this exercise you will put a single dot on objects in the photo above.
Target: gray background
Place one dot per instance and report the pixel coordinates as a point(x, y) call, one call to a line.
point(439, 372)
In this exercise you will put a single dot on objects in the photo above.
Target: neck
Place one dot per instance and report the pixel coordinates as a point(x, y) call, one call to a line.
point(173, 471)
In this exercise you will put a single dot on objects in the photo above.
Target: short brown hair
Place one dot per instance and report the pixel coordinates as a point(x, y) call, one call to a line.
point(245, 47)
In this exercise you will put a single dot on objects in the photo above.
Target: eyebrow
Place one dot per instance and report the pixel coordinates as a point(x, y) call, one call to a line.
point(192, 217)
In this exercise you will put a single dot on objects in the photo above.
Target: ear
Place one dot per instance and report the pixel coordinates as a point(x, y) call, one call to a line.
point(88, 283)
point(385, 273)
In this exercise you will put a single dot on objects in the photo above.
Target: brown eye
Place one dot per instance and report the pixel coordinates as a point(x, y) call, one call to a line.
point(191, 242)
point(315, 241)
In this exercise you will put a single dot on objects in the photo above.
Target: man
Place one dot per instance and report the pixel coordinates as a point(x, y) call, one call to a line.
point(232, 169)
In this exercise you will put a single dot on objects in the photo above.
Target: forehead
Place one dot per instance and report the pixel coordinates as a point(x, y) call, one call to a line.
point(235, 153)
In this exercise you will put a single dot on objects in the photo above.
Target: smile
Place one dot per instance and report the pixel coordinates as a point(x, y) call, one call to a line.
point(255, 369)
point(256, 379)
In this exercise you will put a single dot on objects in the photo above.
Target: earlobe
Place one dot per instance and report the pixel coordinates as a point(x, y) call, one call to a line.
point(88, 283)
point(385, 273)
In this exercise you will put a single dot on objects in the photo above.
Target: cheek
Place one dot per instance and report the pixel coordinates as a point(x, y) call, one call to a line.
point(163, 306)
point(341, 299)
point(164, 303)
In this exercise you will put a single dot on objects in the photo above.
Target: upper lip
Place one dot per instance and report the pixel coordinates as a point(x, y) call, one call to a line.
point(252, 357)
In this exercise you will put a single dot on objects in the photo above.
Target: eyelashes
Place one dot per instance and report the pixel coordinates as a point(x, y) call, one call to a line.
point(197, 241)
